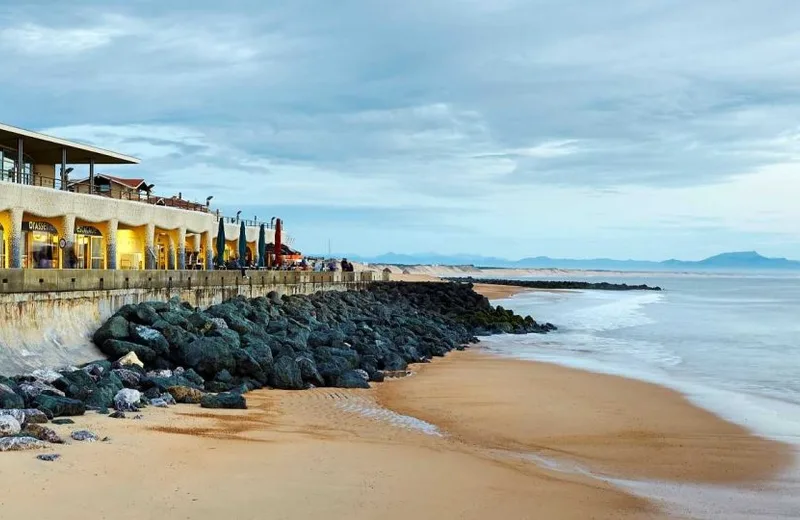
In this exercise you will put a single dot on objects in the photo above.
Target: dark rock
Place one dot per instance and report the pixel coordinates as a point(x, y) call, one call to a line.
point(146, 314)
point(117, 414)
point(63, 421)
point(352, 379)
point(149, 337)
point(59, 406)
point(117, 348)
point(49, 457)
point(223, 400)
point(9, 399)
point(129, 378)
point(207, 356)
point(218, 386)
point(309, 372)
point(75, 385)
point(248, 366)
point(286, 374)
point(223, 376)
point(114, 328)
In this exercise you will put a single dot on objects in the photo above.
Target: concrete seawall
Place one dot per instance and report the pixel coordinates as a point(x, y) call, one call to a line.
point(46, 322)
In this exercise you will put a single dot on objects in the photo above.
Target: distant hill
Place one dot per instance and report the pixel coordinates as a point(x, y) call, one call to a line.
point(745, 260)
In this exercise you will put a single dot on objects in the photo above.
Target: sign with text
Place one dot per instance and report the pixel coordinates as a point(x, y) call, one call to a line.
point(90, 231)
point(42, 227)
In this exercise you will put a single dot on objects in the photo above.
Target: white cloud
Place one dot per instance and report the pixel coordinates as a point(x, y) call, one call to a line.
point(561, 126)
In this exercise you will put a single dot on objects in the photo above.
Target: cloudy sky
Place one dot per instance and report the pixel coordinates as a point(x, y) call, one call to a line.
point(570, 128)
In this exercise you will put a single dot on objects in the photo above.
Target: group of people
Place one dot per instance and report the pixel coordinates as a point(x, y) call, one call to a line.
point(304, 265)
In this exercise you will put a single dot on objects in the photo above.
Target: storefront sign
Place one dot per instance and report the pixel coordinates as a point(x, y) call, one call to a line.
point(90, 231)
point(43, 227)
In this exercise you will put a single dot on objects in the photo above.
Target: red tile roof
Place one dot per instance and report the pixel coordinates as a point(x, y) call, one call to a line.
point(131, 183)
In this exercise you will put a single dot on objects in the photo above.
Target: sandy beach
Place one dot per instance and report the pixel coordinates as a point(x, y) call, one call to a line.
point(347, 454)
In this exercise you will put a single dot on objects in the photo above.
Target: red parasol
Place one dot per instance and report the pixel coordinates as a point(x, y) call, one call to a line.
point(278, 245)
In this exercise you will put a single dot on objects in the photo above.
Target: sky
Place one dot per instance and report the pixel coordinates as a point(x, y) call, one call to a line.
point(627, 129)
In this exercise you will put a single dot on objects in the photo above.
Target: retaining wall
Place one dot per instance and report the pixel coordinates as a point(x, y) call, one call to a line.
point(48, 316)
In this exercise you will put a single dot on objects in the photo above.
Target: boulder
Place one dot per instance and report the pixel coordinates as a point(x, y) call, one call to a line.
point(59, 406)
point(159, 403)
point(351, 379)
point(9, 426)
point(185, 394)
point(20, 444)
point(201, 322)
point(309, 372)
point(63, 421)
point(84, 436)
point(167, 398)
point(146, 314)
point(286, 374)
point(223, 400)
point(115, 327)
point(129, 353)
point(43, 433)
point(129, 378)
point(207, 356)
point(100, 399)
point(248, 366)
point(117, 415)
point(127, 400)
point(9, 399)
point(76, 385)
point(30, 390)
point(26, 416)
point(149, 337)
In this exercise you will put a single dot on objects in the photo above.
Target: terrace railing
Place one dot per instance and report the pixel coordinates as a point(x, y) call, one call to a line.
point(104, 191)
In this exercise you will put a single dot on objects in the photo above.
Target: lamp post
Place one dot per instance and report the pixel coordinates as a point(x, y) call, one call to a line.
point(237, 215)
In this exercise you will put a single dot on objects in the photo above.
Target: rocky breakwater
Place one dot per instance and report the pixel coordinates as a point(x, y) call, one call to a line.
point(556, 285)
point(163, 353)
point(338, 339)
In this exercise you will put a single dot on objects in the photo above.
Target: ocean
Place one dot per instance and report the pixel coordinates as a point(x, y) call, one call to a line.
point(730, 343)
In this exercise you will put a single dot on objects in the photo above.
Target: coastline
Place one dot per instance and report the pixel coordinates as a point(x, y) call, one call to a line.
point(349, 453)
point(614, 426)
point(470, 435)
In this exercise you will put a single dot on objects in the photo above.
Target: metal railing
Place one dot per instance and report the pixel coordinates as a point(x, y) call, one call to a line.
point(247, 222)
point(130, 194)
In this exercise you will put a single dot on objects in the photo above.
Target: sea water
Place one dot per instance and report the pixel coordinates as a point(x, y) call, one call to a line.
point(730, 343)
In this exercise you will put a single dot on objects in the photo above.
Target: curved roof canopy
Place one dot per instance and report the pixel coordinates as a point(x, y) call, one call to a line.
point(45, 149)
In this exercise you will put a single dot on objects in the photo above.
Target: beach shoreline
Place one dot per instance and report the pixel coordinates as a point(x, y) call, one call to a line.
point(348, 453)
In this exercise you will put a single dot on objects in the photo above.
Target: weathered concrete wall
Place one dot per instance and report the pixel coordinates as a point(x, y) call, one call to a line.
point(51, 324)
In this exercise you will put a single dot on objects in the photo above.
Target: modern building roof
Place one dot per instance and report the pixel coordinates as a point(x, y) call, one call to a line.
point(45, 149)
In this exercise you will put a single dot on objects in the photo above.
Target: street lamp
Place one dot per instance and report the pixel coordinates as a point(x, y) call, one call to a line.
point(237, 215)
point(208, 200)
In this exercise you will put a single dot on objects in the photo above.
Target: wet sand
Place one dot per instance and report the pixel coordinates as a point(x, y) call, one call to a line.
point(613, 425)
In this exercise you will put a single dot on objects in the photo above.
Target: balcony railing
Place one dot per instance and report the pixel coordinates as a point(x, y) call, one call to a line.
point(106, 191)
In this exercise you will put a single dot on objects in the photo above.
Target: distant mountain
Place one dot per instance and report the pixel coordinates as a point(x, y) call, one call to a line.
point(745, 260)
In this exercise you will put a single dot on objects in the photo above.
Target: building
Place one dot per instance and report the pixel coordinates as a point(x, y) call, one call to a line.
point(98, 221)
